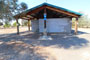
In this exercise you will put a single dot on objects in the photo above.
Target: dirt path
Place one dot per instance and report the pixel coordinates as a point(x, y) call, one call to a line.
point(62, 47)
point(65, 54)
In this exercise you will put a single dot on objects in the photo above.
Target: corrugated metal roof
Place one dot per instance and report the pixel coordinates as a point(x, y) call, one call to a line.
point(61, 8)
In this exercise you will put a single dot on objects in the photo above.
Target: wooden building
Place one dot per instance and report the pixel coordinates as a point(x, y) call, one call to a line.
point(58, 19)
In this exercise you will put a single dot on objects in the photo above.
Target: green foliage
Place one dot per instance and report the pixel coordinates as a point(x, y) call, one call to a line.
point(7, 25)
point(9, 8)
point(83, 22)
point(14, 24)
point(73, 22)
point(24, 6)
point(25, 23)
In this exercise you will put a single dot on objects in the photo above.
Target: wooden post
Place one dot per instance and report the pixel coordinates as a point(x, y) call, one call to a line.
point(76, 25)
point(17, 26)
point(28, 25)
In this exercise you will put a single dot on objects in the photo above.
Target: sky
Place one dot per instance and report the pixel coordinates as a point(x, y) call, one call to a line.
point(74, 5)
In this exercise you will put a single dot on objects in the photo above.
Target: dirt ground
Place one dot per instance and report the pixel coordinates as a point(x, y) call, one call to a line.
point(27, 45)
point(12, 30)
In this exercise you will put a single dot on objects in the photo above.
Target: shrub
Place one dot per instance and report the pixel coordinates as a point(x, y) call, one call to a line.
point(7, 25)
point(14, 24)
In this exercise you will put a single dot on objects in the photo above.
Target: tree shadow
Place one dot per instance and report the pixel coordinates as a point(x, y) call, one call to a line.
point(26, 36)
point(65, 41)
point(59, 40)
point(79, 32)
point(18, 51)
point(11, 36)
point(19, 47)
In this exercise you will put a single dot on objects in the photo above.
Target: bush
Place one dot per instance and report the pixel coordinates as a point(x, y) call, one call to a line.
point(14, 24)
point(7, 25)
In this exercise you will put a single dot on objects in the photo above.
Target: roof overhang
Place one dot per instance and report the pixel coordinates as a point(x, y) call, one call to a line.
point(52, 12)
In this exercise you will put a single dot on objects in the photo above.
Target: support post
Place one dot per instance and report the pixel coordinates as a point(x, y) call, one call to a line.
point(28, 25)
point(45, 18)
point(76, 25)
point(17, 26)
point(45, 36)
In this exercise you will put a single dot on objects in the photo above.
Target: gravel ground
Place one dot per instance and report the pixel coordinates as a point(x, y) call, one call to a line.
point(27, 46)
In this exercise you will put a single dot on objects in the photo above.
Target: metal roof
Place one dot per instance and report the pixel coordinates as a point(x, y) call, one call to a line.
point(57, 7)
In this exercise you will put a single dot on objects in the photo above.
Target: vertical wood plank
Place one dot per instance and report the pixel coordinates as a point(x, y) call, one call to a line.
point(28, 25)
point(76, 25)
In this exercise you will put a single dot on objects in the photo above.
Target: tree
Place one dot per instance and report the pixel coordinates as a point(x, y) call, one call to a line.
point(83, 21)
point(9, 8)
point(24, 6)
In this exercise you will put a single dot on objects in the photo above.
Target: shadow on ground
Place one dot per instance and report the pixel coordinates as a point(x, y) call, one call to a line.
point(60, 40)
point(19, 47)
point(79, 32)
point(65, 41)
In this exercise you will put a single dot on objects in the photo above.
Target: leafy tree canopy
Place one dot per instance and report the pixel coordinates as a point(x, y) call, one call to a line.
point(9, 8)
